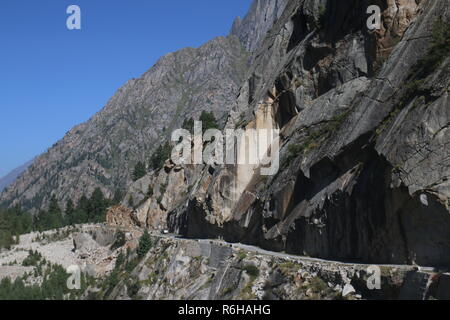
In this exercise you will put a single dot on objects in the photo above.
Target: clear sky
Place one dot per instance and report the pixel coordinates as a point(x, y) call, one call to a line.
point(53, 78)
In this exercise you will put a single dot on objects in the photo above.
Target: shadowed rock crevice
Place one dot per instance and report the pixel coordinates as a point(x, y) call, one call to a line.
point(286, 102)
point(300, 29)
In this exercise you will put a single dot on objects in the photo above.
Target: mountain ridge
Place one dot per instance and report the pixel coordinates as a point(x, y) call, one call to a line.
point(364, 163)
point(80, 162)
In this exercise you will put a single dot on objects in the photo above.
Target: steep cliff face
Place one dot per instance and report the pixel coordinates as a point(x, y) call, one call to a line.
point(364, 123)
point(162, 192)
point(252, 29)
point(142, 114)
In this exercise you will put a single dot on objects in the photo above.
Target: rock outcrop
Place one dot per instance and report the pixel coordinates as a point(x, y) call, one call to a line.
point(177, 269)
point(364, 155)
point(120, 216)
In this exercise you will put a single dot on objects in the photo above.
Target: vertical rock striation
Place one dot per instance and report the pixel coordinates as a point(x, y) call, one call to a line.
point(364, 156)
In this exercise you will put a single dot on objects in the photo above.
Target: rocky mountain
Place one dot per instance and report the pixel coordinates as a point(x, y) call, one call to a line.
point(13, 175)
point(364, 159)
point(142, 114)
point(365, 156)
point(363, 117)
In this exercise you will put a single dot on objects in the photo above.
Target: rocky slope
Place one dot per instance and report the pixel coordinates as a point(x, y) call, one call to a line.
point(202, 269)
point(364, 141)
point(57, 247)
point(207, 270)
point(364, 160)
point(142, 114)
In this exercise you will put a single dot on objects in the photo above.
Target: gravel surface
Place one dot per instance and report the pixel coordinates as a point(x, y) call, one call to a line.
point(57, 252)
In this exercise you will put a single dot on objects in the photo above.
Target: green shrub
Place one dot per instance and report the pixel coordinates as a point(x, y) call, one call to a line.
point(150, 191)
point(119, 261)
point(145, 244)
point(32, 260)
point(133, 289)
point(208, 121)
point(139, 171)
point(188, 125)
point(159, 157)
point(294, 150)
point(252, 270)
point(321, 17)
point(129, 267)
point(242, 256)
point(131, 201)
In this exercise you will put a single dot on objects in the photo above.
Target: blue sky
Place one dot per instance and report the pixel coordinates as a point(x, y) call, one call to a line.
point(53, 78)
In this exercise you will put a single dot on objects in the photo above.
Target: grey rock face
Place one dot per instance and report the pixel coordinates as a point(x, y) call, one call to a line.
point(200, 270)
point(83, 243)
point(360, 150)
point(252, 29)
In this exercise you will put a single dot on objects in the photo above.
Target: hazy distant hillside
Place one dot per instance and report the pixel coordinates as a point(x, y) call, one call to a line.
point(13, 175)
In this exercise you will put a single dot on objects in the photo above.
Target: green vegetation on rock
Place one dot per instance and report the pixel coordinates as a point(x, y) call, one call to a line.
point(160, 156)
point(139, 171)
point(145, 244)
